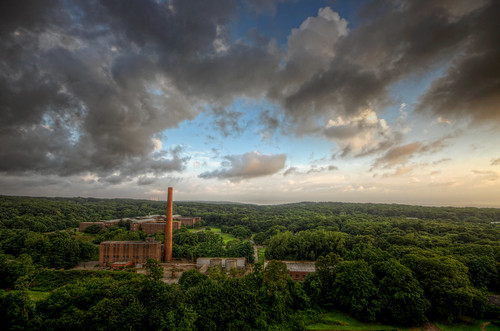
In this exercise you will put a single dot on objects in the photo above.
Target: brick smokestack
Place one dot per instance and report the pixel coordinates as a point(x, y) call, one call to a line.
point(168, 226)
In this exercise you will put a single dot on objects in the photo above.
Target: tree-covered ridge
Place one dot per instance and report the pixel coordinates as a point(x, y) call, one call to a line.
point(262, 300)
point(69, 211)
point(394, 263)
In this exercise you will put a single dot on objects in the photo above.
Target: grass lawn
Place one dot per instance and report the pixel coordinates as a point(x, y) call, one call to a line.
point(82, 236)
point(492, 327)
point(34, 295)
point(336, 320)
point(262, 253)
point(37, 295)
point(225, 236)
point(474, 325)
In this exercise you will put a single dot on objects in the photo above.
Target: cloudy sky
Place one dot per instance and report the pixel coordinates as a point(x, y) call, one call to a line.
point(262, 101)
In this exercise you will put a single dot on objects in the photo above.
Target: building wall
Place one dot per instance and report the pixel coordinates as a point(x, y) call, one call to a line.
point(298, 275)
point(102, 224)
point(153, 227)
point(298, 270)
point(188, 221)
point(124, 251)
point(240, 261)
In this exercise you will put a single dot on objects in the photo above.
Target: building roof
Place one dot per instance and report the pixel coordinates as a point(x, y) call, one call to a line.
point(132, 242)
point(111, 221)
point(300, 266)
point(220, 258)
point(144, 220)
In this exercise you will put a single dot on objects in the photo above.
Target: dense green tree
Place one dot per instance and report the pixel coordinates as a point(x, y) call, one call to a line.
point(402, 300)
point(17, 311)
point(304, 245)
point(191, 278)
point(446, 285)
point(354, 290)
point(238, 248)
point(154, 271)
point(92, 229)
point(210, 244)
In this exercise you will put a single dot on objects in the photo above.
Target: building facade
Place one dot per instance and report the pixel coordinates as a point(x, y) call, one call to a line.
point(188, 221)
point(298, 270)
point(153, 227)
point(224, 262)
point(137, 252)
point(149, 224)
point(101, 224)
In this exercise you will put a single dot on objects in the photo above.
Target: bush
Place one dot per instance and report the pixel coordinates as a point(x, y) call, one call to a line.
point(92, 229)
point(48, 280)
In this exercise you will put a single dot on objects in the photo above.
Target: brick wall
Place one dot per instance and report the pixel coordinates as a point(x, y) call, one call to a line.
point(124, 251)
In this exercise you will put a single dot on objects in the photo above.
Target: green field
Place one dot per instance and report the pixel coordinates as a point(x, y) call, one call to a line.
point(34, 295)
point(336, 320)
point(474, 325)
point(225, 236)
point(262, 254)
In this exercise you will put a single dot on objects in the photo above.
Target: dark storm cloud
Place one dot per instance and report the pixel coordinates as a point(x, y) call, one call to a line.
point(86, 86)
point(290, 171)
point(264, 6)
point(178, 27)
point(227, 122)
point(401, 155)
point(397, 39)
point(471, 85)
point(248, 165)
point(144, 180)
point(316, 169)
point(28, 14)
point(398, 155)
point(269, 124)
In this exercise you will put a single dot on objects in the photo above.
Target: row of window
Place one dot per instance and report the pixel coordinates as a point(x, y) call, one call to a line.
point(125, 256)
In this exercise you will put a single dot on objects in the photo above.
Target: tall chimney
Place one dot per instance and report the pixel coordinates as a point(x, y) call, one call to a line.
point(168, 226)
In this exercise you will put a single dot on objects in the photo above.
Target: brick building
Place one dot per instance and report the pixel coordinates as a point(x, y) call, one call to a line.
point(148, 224)
point(102, 224)
point(136, 252)
point(153, 225)
point(298, 269)
point(188, 221)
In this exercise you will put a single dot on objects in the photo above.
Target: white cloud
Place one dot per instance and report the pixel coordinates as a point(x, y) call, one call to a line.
point(360, 133)
point(157, 144)
point(246, 166)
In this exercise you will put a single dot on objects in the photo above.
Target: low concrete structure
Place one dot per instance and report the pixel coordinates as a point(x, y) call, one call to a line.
point(225, 262)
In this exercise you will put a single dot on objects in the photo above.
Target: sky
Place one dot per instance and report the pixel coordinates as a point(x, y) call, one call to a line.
point(255, 101)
